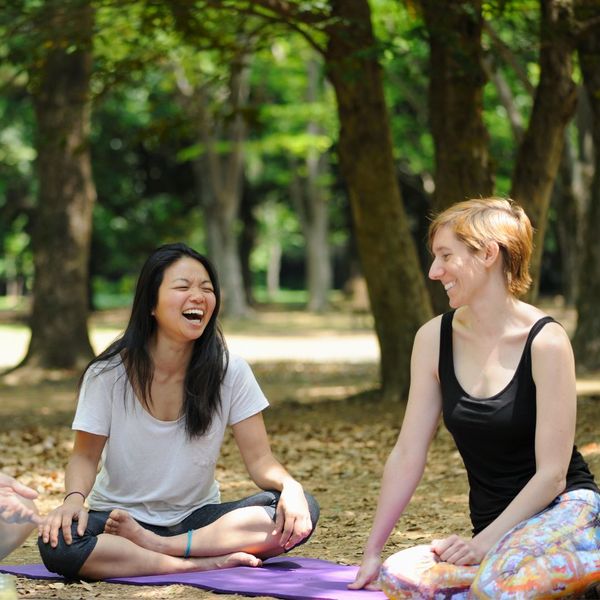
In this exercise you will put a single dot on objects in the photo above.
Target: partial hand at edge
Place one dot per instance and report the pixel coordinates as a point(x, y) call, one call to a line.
point(367, 574)
point(12, 509)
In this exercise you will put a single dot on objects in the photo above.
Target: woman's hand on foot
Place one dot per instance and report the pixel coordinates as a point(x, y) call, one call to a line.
point(457, 550)
point(292, 519)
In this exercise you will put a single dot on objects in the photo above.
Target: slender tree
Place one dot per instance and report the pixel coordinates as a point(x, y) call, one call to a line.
point(220, 173)
point(463, 168)
point(586, 341)
point(397, 292)
point(310, 201)
point(540, 152)
point(342, 31)
point(63, 219)
point(456, 81)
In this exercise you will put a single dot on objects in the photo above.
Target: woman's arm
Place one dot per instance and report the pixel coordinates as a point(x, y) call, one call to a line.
point(80, 475)
point(406, 463)
point(293, 517)
point(553, 370)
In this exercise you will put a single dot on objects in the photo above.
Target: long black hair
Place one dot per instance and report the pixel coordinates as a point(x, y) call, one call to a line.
point(208, 364)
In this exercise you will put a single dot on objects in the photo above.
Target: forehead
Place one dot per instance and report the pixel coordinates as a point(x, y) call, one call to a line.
point(445, 238)
point(186, 268)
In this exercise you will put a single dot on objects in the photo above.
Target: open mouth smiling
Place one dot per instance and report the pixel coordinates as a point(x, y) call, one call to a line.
point(193, 314)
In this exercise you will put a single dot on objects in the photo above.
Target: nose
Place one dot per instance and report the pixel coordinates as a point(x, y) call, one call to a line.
point(197, 294)
point(435, 271)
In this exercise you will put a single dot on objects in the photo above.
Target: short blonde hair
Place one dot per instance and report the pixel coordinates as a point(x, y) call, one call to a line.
point(477, 222)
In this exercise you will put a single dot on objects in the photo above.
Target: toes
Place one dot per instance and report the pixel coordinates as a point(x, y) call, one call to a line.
point(111, 526)
point(115, 515)
point(247, 560)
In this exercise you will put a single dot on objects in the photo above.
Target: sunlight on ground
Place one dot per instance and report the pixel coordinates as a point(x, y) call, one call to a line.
point(321, 346)
point(277, 335)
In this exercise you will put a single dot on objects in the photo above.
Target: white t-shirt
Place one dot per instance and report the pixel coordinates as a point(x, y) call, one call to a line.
point(149, 467)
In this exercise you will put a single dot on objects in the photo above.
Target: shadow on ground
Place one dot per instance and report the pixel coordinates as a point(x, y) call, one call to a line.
point(327, 425)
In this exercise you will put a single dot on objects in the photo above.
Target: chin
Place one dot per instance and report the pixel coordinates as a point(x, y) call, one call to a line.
point(454, 303)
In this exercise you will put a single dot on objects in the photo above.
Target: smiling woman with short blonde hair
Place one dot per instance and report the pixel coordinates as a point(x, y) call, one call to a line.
point(501, 374)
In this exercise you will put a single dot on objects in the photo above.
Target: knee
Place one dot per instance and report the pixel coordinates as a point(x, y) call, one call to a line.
point(67, 559)
point(313, 508)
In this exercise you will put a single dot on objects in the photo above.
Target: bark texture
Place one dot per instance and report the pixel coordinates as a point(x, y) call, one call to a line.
point(397, 293)
point(586, 341)
point(456, 79)
point(219, 176)
point(63, 222)
point(540, 152)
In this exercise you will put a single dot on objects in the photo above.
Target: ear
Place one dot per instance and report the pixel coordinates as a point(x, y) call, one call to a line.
point(491, 253)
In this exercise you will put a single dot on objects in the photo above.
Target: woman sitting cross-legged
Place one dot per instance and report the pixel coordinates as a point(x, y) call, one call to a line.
point(501, 375)
point(153, 409)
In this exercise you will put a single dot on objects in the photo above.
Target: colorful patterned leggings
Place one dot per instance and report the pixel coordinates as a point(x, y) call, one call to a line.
point(555, 554)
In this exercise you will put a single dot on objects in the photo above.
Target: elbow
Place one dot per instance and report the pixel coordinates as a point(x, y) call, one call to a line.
point(556, 481)
point(560, 484)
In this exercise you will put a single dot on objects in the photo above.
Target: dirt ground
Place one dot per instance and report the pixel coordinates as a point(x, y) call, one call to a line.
point(327, 425)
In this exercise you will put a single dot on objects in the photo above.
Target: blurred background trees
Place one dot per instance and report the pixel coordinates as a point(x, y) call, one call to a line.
point(300, 144)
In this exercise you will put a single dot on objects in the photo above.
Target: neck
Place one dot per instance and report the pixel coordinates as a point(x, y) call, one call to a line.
point(170, 358)
point(491, 313)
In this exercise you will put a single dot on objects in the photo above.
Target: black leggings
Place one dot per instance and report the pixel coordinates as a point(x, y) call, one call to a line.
point(67, 560)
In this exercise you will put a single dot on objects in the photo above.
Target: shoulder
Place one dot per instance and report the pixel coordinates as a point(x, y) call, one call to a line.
point(237, 369)
point(104, 377)
point(429, 333)
point(426, 347)
point(110, 368)
point(235, 364)
point(551, 346)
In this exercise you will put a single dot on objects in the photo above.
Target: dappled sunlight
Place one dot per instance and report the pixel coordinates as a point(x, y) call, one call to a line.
point(326, 424)
point(336, 447)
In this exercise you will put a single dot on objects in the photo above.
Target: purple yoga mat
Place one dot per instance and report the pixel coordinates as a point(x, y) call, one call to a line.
point(290, 578)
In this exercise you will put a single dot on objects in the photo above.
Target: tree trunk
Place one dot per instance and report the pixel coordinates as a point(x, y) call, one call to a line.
point(311, 205)
point(456, 79)
point(586, 341)
point(397, 292)
point(247, 242)
point(568, 209)
point(221, 176)
point(274, 269)
point(312, 211)
point(63, 221)
point(539, 154)
point(316, 215)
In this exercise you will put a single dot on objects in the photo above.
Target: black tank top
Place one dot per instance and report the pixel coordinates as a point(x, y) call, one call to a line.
point(496, 436)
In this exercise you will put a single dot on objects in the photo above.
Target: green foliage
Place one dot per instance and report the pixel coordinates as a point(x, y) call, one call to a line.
point(404, 57)
point(145, 139)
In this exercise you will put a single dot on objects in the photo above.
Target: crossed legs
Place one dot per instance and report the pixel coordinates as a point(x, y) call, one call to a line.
point(114, 544)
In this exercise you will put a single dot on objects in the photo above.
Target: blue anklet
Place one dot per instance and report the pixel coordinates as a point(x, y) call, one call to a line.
point(188, 548)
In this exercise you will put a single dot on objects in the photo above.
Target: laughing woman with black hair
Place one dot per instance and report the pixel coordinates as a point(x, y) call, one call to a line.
point(153, 409)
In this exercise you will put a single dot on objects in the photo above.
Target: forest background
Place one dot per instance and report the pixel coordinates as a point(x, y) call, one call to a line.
point(303, 145)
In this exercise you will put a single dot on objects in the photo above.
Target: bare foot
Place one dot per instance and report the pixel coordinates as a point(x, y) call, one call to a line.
point(123, 524)
point(227, 561)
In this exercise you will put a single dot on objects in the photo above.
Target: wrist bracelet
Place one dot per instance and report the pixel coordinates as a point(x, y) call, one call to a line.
point(71, 493)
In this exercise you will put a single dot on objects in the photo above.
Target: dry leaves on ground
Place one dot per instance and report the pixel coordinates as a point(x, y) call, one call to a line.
point(335, 447)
